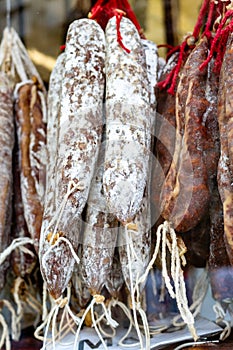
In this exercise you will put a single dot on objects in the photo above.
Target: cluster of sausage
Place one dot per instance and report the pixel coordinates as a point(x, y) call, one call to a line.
point(195, 194)
point(80, 180)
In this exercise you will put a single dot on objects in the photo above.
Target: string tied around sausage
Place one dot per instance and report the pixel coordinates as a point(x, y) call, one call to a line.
point(199, 293)
point(20, 243)
point(51, 319)
point(221, 320)
point(5, 337)
point(136, 305)
point(21, 293)
point(15, 330)
point(166, 236)
point(99, 300)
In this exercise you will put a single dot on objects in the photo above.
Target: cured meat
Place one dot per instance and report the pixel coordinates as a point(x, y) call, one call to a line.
point(31, 135)
point(185, 192)
point(224, 167)
point(21, 262)
point(6, 149)
point(128, 122)
point(78, 140)
point(99, 238)
point(165, 135)
point(220, 270)
point(197, 242)
point(138, 243)
point(115, 280)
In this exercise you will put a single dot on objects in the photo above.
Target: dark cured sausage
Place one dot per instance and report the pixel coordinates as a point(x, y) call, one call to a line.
point(165, 134)
point(185, 193)
point(6, 149)
point(31, 135)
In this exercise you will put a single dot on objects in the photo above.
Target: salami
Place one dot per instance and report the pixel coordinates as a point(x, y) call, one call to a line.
point(6, 149)
point(77, 145)
point(165, 134)
point(220, 271)
point(128, 122)
point(99, 238)
point(21, 262)
point(224, 167)
point(115, 280)
point(139, 243)
point(185, 192)
point(31, 135)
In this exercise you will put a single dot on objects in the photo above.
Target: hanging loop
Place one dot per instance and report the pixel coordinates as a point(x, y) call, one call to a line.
point(8, 13)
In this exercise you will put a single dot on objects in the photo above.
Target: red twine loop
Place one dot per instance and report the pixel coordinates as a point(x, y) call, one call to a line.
point(119, 15)
point(103, 10)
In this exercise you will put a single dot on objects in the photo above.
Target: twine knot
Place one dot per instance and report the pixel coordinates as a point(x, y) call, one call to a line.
point(99, 299)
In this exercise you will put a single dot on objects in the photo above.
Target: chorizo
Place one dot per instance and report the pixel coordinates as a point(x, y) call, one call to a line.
point(185, 193)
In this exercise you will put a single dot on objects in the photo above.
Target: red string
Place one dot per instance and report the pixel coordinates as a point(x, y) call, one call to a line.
point(201, 18)
point(103, 10)
point(119, 15)
point(62, 48)
point(215, 45)
point(221, 48)
point(172, 76)
point(209, 21)
point(171, 90)
point(166, 82)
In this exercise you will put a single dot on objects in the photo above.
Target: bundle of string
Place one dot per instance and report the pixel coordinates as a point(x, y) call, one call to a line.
point(213, 16)
point(103, 10)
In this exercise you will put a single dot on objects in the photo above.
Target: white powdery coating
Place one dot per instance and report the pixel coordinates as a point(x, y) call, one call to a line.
point(151, 52)
point(139, 242)
point(85, 55)
point(81, 111)
point(99, 237)
point(78, 140)
point(128, 121)
point(53, 124)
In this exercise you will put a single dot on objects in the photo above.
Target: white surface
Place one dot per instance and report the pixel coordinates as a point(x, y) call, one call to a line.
point(204, 327)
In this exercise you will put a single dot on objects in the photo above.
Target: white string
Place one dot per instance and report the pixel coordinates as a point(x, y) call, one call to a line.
point(17, 242)
point(220, 319)
point(71, 188)
point(96, 328)
point(198, 297)
point(97, 299)
point(44, 302)
point(8, 13)
point(5, 338)
point(17, 300)
point(115, 302)
point(52, 247)
point(143, 278)
point(14, 328)
point(179, 290)
point(164, 260)
point(132, 288)
point(205, 342)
